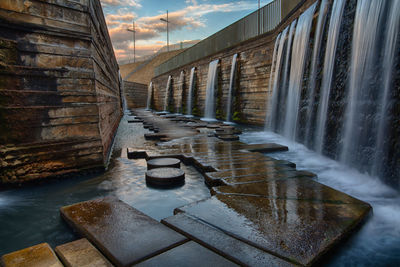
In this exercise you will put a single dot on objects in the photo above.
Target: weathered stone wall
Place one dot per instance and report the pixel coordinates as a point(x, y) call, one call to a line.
point(135, 95)
point(254, 66)
point(60, 101)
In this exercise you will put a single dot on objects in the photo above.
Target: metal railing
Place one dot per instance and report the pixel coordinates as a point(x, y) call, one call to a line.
point(259, 22)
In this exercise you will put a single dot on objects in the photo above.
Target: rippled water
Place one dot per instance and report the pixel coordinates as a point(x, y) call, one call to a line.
point(377, 242)
point(30, 215)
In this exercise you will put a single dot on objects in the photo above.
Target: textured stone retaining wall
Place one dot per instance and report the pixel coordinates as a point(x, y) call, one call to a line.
point(60, 100)
point(254, 66)
point(135, 94)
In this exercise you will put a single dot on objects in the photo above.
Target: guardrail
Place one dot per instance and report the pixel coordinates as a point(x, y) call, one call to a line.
point(259, 22)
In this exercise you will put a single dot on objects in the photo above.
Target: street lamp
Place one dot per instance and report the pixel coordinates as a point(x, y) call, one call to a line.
point(134, 41)
point(167, 21)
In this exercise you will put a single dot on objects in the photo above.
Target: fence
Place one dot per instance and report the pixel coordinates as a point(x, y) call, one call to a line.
point(261, 21)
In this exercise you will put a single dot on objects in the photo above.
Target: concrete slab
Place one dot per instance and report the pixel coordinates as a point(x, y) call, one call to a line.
point(81, 253)
point(265, 148)
point(216, 240)
point(295, 188)
point(125, 235)
point(35, 256)
point(154, 136)
point(298, 231)
point(188, 254)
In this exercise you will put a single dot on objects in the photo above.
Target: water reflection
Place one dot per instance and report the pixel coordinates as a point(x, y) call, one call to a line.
point(30, 215)
point(377, 243)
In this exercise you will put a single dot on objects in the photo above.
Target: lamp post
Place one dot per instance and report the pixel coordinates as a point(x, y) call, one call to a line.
point(134, 41)
point(167, 21)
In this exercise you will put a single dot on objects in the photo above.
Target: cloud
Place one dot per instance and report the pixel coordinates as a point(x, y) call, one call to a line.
point(131, 3)
point(151, 27)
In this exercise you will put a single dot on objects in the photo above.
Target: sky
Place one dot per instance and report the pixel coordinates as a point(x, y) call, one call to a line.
point(189, 20)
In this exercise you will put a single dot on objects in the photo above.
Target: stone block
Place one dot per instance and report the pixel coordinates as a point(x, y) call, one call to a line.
point(81, 253)
point(125, 235)
point(35, 256)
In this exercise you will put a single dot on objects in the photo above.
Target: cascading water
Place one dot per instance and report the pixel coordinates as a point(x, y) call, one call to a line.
point(181, 83)
point(329, 63)
point(276, 119)
point(323, 10)
point(273, 80)
point(149, 93)
point(190, 92)
point(390, 50)
point(209, 111)
point(231, 89)
point(362, 132)
point(366, 96)
point(167, 93)
point(299, 55)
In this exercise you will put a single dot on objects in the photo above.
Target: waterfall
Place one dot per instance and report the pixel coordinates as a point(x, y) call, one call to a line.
point(277, 125)
point(149, 93)
point(231, 89)
point(181, 83)
point(323, 10)
point(273, 80)
point(209, 111)
point(352, 116)
point(329, 63)
point(167, 93)
point(190, 92)
point(357, 131)
point(390, 50)
point(299, 55)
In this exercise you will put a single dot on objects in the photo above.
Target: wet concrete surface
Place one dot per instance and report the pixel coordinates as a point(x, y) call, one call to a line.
point(163, 162)
point(188, 254)
point(125, 235)
point(263, 211)
point(263, 202)
point(81, 253)
point(298, 231)
point(35, 256)
point(226, 245)
point(165, 176)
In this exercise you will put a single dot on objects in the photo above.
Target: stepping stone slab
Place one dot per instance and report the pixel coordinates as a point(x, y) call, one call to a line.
point(188, 254)
point(165, 176)
point(295, 188)
point(216, 240)
point(228, 137)
point(135, 121)
point(213, 126)
point(298, 231)
point(123, 234)
point(163, 162)
point(81, 253)
point(36, 256)
point(136, 154)
point(265, 148)
point(154, 136)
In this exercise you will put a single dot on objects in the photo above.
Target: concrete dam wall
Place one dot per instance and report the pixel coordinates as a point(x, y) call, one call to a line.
point(253, 71)
point(327, 77)
point(60, 91)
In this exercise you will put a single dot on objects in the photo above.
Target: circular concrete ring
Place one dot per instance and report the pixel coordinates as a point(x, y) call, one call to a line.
point(165, 176)
point(163, 163)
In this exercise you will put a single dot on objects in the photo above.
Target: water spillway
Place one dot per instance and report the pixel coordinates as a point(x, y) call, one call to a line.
point(231, 89)
point(346, 111)
point(149, 93)
point(209, 111)
point(189, 105)
point(181, 85)
point(166, 96)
